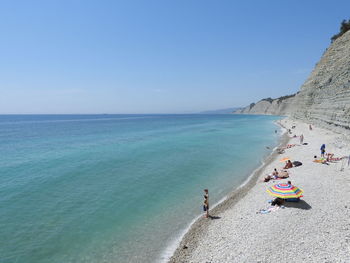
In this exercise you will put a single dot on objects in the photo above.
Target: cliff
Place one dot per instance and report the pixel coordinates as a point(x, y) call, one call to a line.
point(279, 106)
point(324, 98)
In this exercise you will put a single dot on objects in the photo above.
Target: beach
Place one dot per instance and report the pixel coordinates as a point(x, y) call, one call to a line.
point(316, 229)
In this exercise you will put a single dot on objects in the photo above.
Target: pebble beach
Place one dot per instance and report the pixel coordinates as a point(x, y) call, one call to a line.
point(315, 229)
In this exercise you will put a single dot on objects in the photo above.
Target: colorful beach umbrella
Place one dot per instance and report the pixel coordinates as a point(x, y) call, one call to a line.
point(285, 191)
point(284, 159)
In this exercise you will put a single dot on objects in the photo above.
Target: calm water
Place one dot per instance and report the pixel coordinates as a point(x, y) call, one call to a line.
point(116, 188)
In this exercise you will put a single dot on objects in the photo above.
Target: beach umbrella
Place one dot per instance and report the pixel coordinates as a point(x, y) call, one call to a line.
point(284, 159)
point(285, 191)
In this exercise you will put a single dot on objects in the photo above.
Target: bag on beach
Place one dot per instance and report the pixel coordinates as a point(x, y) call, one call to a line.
point(297, 163)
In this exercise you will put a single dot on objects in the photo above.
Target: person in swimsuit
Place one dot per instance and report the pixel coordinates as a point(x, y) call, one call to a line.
point(275, 174)
point(206, 203)
point(288, 165)
point(323, 150)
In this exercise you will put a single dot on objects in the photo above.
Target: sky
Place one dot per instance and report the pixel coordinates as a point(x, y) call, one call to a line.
point(166, 56)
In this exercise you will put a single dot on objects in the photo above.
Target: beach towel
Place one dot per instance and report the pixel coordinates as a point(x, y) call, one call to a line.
point(321, 160)
point(334, 159)
point(268, 210)
point(262, 211)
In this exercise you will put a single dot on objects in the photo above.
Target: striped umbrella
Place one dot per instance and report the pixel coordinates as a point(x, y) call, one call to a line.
point(285, 191)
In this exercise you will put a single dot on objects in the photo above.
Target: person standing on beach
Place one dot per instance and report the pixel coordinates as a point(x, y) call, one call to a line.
point(301, 139)
point(206, 203)
point(323, 150)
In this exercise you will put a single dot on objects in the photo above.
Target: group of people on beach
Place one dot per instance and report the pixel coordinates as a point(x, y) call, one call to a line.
point(283, 173)
point(326, 158)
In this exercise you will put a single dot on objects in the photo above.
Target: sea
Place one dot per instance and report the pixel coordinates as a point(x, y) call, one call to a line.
point(117, 188)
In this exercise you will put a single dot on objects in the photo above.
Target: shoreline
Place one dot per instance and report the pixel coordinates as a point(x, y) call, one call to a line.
point(191, 235)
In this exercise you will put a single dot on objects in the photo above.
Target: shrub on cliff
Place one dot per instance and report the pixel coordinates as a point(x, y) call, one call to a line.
point(268, 99)
point(280, 99)
point(344, 27)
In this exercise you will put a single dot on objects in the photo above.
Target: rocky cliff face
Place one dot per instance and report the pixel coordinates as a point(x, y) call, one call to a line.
point(324, 98)
point(279, 106)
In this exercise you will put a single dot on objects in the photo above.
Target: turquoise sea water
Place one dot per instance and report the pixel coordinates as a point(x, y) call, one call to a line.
point(116, 188)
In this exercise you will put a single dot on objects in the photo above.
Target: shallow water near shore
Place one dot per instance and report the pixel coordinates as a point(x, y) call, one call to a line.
point(117, 188)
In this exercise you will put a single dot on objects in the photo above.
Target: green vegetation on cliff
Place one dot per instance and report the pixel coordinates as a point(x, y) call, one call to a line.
point(344, 27)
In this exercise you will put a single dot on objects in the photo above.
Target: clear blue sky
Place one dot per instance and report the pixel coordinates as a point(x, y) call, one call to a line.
point(166, 56)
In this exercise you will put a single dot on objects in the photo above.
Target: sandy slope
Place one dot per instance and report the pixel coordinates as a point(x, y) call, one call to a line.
point(314, 230)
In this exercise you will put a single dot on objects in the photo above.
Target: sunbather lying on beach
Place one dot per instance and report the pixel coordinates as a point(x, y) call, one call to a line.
point(330, 158)
point(283, 174)
point(276, 175)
